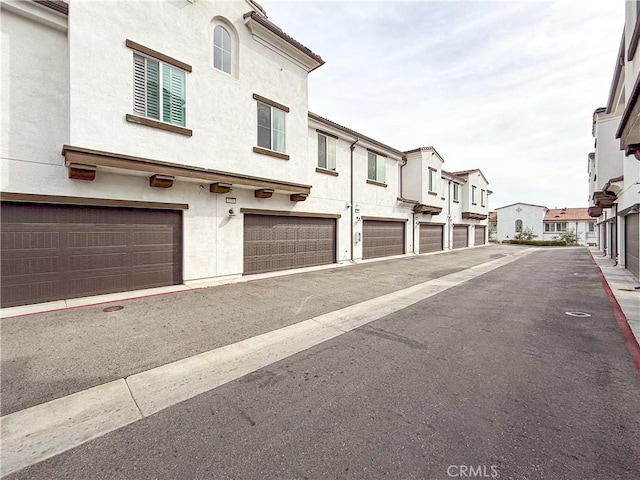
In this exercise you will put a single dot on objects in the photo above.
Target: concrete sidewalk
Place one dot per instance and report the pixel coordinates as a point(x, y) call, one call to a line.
point(107, 369)
point(622, 286)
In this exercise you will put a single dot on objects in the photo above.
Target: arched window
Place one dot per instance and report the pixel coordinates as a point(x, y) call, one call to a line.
point(222, 49)
point(518, 226)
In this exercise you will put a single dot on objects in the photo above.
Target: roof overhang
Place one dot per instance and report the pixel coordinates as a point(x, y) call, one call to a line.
point(603, 199)
point(427, 209)
point(594, 212)
point(474, 216)
point(84, 161)
point(272, 36)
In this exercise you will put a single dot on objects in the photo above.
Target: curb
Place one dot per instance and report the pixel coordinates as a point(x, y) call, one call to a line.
point(621, 319)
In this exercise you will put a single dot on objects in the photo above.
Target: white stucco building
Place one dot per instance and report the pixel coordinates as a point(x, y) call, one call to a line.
point(614, 165)
point(171, 143)
point(516, 217)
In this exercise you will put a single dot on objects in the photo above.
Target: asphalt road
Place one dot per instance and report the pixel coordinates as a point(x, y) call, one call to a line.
point(489, 378)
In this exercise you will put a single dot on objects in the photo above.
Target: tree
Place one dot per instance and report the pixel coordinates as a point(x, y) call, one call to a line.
point(570, 236)
point(525, 234)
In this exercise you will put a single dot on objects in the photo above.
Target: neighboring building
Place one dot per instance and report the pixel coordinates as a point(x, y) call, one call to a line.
point(563, 220)
point(513, 219)
point(545, 223)
point(493, 225)
point(137, 155)
point(614, 166)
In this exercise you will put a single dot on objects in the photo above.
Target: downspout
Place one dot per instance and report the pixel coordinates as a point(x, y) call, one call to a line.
point(413, 224)
point(449, 229)
point(352, 147)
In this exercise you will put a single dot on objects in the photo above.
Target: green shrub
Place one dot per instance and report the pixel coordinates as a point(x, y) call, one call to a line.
point(539, 243)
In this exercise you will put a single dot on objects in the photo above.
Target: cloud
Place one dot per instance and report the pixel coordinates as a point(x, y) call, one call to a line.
point(507, 87)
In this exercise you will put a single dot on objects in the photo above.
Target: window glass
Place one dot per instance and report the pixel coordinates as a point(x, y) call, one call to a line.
point(371, 170)
point(221, 49)
point(264, 125)
point(322, 151)
point(278, 130)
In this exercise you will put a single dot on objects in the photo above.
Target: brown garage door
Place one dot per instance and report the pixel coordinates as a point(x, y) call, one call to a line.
point(273, 242)
point(460, 236)
point(479, 235)
point(53, 252)
point(431, 238)
point(613, 233)
point(632, 242)
point(382, 238)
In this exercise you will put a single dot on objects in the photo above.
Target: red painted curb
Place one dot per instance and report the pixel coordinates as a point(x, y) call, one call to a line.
point(621, 319)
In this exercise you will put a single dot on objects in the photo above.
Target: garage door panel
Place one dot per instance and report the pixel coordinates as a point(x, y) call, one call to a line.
point(460, 237)
point(431, 238)
point(479, 235)
point(53, 252)
point(382, 238)
point(274, 242)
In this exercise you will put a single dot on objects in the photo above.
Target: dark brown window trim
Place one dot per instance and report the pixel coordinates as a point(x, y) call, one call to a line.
point(271, 153)
point(101, 202)
point(474, 203)
point(326, 171)
point(277, 105)
point(456, 201)
point(378, 184)
point(633, 42)
point(327, 133)
point(285, 213)
point(386, 219)
point(149, 122)
point(377, 152)
point(432, 193)
point(160, 56)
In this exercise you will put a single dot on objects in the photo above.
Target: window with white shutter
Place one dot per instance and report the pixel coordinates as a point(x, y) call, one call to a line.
point(159, 90)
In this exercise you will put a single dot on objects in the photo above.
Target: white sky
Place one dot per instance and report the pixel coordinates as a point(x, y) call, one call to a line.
point(505, 86)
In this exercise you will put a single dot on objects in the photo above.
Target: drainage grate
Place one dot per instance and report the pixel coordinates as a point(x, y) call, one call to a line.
point(115, 308)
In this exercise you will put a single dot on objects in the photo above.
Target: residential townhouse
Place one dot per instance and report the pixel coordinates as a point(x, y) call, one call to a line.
point(171, 143)
point(614, 165)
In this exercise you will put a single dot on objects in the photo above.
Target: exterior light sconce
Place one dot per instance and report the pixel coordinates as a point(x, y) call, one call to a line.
point(232, 212)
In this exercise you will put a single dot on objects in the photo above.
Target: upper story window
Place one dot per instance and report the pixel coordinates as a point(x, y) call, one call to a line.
point(432, 181)
point(456, 192)
point(483, 198)
point(473, 195)
point(326, 151)
point(159, 90)
point(376, 167)
point(272, 131)
point(518, 226)
point(222, 49)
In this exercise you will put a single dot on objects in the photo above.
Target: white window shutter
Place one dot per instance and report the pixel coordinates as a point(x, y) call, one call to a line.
point(139, 86)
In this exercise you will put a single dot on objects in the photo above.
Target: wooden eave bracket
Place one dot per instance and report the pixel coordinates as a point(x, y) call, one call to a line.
point(220, 187)
point(263, 193)
point(634, 150)
point(161, 181)
point(298, 197)
point(78, 171)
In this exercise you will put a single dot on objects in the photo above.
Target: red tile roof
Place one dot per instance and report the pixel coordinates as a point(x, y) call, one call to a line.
point(566, 214)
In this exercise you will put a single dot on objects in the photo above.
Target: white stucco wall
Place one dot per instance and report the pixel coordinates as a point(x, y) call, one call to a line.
point(219, 107)
point(609, 157)
point(34, 86)
point(531, 216)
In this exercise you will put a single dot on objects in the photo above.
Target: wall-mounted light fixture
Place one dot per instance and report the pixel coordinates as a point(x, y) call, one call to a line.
point(232, 212)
